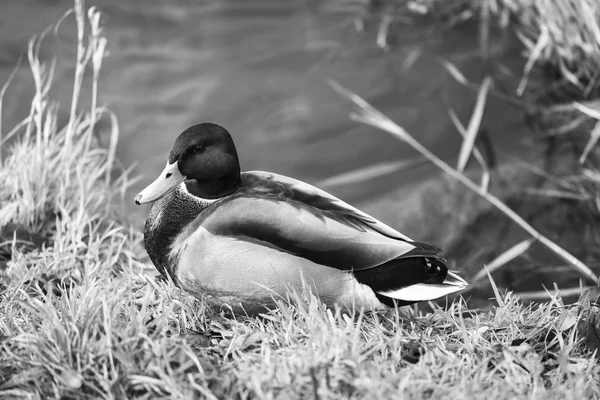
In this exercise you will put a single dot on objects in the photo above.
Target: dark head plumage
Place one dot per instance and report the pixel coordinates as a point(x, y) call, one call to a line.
point(204, 156)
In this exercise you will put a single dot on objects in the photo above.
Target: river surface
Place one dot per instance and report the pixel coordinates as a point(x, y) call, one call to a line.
point(259, 68)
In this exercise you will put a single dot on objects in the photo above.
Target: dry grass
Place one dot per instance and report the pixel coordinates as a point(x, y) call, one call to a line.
point(562, 34)
point(561, 37)
point(81, 318)
point(129, 336)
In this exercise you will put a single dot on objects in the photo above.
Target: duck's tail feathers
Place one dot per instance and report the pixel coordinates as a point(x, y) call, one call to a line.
point(422, 291)
point(393, 284)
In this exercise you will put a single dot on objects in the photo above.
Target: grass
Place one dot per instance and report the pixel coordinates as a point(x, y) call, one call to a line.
point(84, 315)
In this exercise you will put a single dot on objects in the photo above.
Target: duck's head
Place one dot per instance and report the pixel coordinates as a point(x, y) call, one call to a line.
point(204, 156)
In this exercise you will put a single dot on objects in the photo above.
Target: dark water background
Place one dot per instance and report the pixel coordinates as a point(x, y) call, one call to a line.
point(259, 68)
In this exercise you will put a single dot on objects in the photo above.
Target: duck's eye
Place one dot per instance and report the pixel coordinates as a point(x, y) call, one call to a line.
point(432, 269)
point(198, 148)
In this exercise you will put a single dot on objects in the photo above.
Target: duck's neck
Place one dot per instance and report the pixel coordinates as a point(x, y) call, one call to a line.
point(215, 188)
point(167, 219)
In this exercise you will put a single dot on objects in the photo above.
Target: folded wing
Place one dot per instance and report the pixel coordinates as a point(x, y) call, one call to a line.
point(300, 219)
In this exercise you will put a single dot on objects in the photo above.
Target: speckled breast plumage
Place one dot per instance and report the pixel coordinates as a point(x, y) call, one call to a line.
point(167, 218)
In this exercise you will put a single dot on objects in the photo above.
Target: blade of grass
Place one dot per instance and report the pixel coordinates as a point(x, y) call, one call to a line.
point(384, 28)
point(3, 91)
point(83, 55)
point(370, 172)
point(570, 76)
point(504, 258)
point(591, 109)
point(544, 294)
point(371, 116)
point(593, 112)
point(97, 47)
point(485, 176)
point(114, 139)
point(567, 127)
point(455, 73)
point(474, 124)
point(542, 42)
point(557, 194)
point(462, 80)
point(499, 298)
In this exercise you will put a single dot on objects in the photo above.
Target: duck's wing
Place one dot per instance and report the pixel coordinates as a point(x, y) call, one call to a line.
point(321, 200)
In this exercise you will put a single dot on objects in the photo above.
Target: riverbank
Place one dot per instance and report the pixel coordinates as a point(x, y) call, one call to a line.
point(85, 316)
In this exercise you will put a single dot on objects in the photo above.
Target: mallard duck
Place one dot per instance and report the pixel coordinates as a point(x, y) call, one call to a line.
point(244, 239)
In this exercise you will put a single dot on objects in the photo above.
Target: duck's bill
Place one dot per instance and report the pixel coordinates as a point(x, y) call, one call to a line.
point(423, 292)
point(168, 179)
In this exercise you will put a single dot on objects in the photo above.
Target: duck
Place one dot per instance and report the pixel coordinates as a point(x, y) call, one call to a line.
point(245, 239)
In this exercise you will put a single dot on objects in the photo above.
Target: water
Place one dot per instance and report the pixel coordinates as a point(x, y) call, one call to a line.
point(259, 68)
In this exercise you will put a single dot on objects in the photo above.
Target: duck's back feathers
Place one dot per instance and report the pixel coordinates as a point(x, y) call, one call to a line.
point(319, 199)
